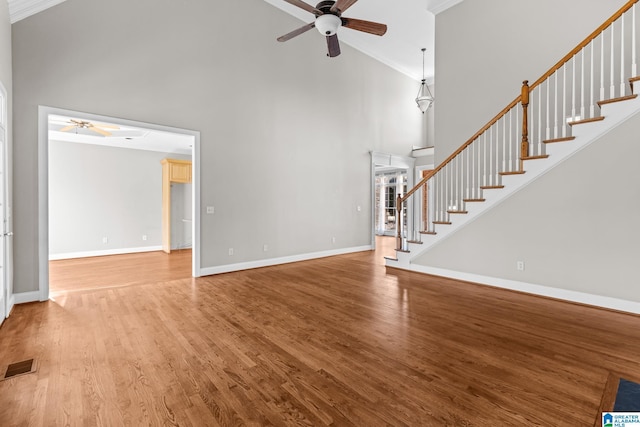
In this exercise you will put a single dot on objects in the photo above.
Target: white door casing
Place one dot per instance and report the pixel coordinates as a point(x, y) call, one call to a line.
point(5, 232)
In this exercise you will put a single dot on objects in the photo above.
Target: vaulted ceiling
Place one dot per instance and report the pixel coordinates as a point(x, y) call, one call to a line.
point(411, 26)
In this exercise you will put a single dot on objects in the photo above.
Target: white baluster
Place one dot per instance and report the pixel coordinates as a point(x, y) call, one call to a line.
point(592, 88)
point(582, 111)
point(504, 143)
point(484, 160)
point(612, 89)
point(573, 89)
point(564, 100)
point(511, 139)
point(539, 143)
point(556, 109)
point(490, 148)
point(548, 133)
point(634, 68)
point(623, 88)
point(518, 136)
point(601, 66)
point(472, 147)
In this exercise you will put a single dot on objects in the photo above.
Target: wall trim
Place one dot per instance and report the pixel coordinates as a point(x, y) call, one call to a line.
point(26, 297)
point(209, 271)
point(531, 288)
point(117, 251)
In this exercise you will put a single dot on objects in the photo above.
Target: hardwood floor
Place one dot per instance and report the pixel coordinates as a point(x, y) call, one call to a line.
point(335, 341)
point(78, 274)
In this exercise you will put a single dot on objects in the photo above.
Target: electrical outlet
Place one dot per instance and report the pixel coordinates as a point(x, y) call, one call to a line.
point(211, 210)
point(520, 265)
point(230, 251)
point(105, 240)
point(265, 248)
point(333, 239)
point(359, 208)
point(144, 237)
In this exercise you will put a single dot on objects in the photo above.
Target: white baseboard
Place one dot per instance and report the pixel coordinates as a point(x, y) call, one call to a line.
point(119, 251)
point(208, 271)
point(24, 297)
point(530, 288)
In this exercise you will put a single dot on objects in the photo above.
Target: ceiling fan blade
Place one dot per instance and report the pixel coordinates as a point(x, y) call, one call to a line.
point(105, 126)
point(67, 128)
point(365, 26)
point(333, 45)
point(297, 32)
point(100, 131)
point(341, 5)
point(305, 6)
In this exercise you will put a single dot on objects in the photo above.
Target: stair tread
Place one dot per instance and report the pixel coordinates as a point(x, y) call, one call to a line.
point(583, 121)
point(416, 242)
point(442, 222)
point(390, 258)
point(634, 79)
point(431, 233)
point(619, 99)
point(512, 173)
point(542, 156)
point(457, 212)
point(491, 187)
point(473, 200)
point(404, 251)
point(565, 139)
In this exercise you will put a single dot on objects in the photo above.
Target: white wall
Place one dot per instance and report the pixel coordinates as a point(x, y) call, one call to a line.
point(285, 131)
point(97, 191)
point(576, 227)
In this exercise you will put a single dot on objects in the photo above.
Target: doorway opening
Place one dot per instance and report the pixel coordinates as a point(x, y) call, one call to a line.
point(101, 217)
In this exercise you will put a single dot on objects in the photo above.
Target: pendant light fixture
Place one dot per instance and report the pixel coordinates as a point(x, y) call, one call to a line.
point(424, 98)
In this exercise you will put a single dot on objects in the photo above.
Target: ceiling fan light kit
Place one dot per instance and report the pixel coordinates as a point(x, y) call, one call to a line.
point(329, 19)
point(328, 24)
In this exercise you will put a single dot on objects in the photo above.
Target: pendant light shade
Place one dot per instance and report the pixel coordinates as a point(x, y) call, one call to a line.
point(424, 99)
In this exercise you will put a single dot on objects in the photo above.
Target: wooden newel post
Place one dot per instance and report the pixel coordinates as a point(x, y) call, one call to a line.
point(524, 146)
point(399, 222)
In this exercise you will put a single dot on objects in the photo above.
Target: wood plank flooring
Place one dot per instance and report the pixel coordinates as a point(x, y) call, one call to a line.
point(336, 341)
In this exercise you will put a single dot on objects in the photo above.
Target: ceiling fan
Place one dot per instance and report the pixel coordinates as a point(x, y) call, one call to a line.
point(328, 19)
point(95, 127)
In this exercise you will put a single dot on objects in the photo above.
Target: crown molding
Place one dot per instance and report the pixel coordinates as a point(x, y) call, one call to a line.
point(438, 6)
point(20, 9)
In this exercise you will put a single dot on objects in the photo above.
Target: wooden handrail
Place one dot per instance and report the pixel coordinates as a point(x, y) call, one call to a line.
point(462, 147)
point(544, 77)
point(584, 43)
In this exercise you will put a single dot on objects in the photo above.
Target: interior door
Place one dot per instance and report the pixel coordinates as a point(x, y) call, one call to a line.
point(5, 233)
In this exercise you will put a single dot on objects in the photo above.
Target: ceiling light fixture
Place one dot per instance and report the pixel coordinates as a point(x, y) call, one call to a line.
point(424, 98)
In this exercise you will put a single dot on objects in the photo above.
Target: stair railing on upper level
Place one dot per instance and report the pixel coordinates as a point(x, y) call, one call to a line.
point(596, 72)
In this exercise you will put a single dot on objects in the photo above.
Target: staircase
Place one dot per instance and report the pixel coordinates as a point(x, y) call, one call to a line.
point(589, 92)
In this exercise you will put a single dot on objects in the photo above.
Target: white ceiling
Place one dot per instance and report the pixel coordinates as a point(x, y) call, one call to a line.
point(122, 136)
point(411, 27)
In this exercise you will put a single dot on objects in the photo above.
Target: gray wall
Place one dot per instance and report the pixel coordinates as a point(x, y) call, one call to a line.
point(576, 227)
point(97, 191)
point(285, 131)
point(485, 49)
